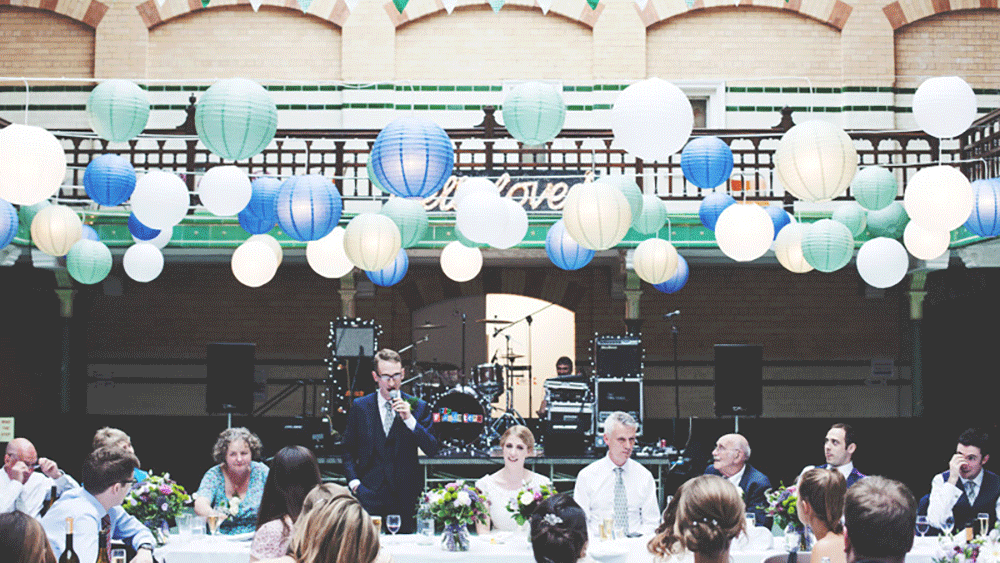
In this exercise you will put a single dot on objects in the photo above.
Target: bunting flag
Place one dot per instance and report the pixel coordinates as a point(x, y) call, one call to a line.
point(160, 3)
point(593, 4)
point(545, 5)
point(304, 4)
point(496, 5)
point(255, 4)
point(449, 5)
point(351, 4)
point(641, 4)
point(400, 5)
point(690, 3)
point(204, 3)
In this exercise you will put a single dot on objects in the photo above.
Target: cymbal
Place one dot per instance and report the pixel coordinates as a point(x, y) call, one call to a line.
point(428, 326)
point(436, 366)
point(493, 321)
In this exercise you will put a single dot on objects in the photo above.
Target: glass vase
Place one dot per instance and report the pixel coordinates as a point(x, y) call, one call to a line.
point(455, 538)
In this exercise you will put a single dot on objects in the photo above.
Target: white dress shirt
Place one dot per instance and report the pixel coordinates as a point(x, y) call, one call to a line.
point(944, 495)
point(735, 479)
point(595, 493)
point(87, 512)
point(29, 497)
point(844, 470)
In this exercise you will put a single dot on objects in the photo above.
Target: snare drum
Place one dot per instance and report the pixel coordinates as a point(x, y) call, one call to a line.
point(488, 374)
point(458, 416)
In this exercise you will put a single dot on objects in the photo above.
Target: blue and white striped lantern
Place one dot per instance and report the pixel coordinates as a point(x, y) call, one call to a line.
point(109, 180)
point(393, 273)
point(412, 157)
point(308, 207)
point(712, 206)
point(678, 280)
point(260, 215)
point(985, 218)
point(140, 231)
point(707, 162)
point(563, 251)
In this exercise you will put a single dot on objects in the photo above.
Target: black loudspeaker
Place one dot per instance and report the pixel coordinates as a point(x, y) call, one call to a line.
point(230, 383)
point(738, 380)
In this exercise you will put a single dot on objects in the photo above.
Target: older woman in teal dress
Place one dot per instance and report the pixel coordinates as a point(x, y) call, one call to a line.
point(233, 488)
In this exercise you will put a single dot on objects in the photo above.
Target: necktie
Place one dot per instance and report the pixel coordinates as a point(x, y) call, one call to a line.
point(106, 530)
point(621, 501)
point(387, 419)
point(970, 491)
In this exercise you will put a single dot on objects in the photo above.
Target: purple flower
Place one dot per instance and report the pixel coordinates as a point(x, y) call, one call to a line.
point(164, 489)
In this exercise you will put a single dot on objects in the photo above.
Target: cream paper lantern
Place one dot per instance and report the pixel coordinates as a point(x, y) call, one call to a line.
point(371, 241)
point(815, 161)
point(254, 263)
point(944, 106)
point(882, 262)
point(924, 244)
point(160, 200)
point(224, 190)
point(32, 164)
point(55, 229)
point(655, 260)
point(461, 263)
point(271, 243)
point(143, 262)
point(596, 215)
point(788, 248)
point(652, 119)
point(939, 198)
point(744, 232)
point(326, 256)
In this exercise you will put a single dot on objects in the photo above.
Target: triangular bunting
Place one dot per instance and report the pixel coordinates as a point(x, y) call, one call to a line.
point(255, 4)
point(400, 5)
point(690, 3)
point(160, 3)
point(641, 4)
point(304, 4)
point(545, 5)
point(204, 3)
point(593, 4)
point(496, 5)
point(351, 4)
point(449, 5)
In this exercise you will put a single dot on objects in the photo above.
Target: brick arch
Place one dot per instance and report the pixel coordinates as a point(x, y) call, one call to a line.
point(834, 15)
point(87, 12)
point(154, 15)
point(917, 10)
point(572, 10)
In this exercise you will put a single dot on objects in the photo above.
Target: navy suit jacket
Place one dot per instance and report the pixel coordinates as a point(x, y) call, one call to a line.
point(754, 485)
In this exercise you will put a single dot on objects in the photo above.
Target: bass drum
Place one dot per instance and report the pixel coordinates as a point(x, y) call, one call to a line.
point(458, 416)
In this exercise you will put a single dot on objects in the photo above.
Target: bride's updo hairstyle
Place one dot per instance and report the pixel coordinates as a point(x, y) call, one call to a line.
point(824, 490)
point(558, 530)
point(705, 515)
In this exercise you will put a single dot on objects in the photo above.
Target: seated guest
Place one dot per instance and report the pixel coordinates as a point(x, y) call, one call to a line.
point(108, 436)
point(820, 506)
point(107, 479)
point(293, 473)
point(967, 488)
point(559, 531)
point(24, 489)
point(730, 456)
point(879, 516)
point(839, 450)
point(22, 540)
point(616, 486)
point(702, 519)
point(516, 444)
point(233, 487)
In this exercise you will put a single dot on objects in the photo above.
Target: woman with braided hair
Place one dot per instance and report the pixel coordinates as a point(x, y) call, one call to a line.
point(559, 531)
point(704, 516)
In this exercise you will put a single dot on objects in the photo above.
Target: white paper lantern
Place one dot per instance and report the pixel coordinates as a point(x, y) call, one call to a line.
point(944, 106)
point(744, 232)
point(254, 263)
point(480, 216)
point(924, 244)
point(371, 241)
point(469, 186)
point(461, 263)
point(515, 225)
point(939, 198)
point(788, 248)
point(143, 262)
point(652, 119)
point(326, 256)
point(55, 229)
point(815, 161)
point(159, 241)
point(882, 262)
point(160, 200)
point(32, 164)
point(225, 190)
point(655, 260)
point(271, 243)
point(597, 215)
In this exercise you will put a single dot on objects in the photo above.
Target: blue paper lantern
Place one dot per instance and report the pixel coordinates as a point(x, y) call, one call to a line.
point(678, 280)
point(779, 217)
point(8, 223)
point(260, 215)
point(308, 207)
point(412, 157)
point(109, 180)
point(90, 234)
point(712, 206)
point(707, 162)
point(985, 218)
point(563, 251)
point(393, 273)
point(140, 231)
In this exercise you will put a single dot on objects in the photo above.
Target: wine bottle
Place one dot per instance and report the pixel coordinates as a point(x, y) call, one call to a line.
point(102, 547)
point(68, 555)
point(53, 494)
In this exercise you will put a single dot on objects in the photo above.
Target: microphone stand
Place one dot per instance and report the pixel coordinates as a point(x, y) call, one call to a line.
point(528, 319)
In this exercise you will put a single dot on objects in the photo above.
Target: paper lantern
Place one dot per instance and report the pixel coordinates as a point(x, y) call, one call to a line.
point(779, 217)
point(655, 260)
point(480, 215)
point(118, 110)
point(140, 231)
point(326, 256)
point(393, 273)
point(160, 200)
point(534, 112)
point(90, 234)
point(744, 232)
point(882, 262)
point(515, 225)
point(109, 180)
point(143, 262)
point(412, 157)
point(371, 241)
point(469, 186)
point(827, 245)
point(308, 207)
point(89, 261)
point(411, 218)
point(563, 251)
point(236, 118)
point(815, 161)
point(371, 176)
point(653, 216)
point(630, 189)
point(712, 206)
point(271, 243)
point(32, 164)
point(853, 216)
point(596, 215)
point(707, 162)
point(8, 223)
point(788, 248)
point(985, 217)
point(939, 198)
point(888, 221)
point(652, 119)
point(676, 281)
point(874, 188)
point(161, 240)
point(55, 230)
point(461, 263)
point(944, 106)
point(924, 244)
point(254, 263)
point(260, 214)
point(462, 239)
point(224, 190)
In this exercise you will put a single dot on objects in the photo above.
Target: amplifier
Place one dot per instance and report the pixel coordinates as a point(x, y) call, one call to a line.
point(570, 418)
point(567, 392)
point(617, 395)
point(617, 356)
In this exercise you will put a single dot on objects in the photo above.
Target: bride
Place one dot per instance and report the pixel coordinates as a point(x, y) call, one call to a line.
point(517, 443)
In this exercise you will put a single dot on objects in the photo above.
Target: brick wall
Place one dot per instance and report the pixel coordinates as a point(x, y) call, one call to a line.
point(964, 43)
point(37, 43)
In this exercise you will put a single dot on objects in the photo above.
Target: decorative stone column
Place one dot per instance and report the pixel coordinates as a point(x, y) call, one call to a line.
point(348, 295)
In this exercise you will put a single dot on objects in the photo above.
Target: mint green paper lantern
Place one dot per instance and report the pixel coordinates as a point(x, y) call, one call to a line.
point(118, 110)
point(653, 215)
point(889, 222)
point(630, 189)
point(411, 218)
point(853, 216)
point(89, 261)
point(534, 112)
point(827, 245)
point(374, 179)
point(874, 187)
point(236, 118)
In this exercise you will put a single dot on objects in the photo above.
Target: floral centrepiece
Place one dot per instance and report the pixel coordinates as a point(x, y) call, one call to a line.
point(523, 505)
point(155, 501)
point(782, 506)
point(456, 505)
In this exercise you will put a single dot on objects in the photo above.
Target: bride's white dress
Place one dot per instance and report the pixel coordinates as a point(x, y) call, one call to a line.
point(499, 497)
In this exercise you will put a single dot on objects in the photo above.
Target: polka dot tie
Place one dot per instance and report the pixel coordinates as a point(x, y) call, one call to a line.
point(621, 501)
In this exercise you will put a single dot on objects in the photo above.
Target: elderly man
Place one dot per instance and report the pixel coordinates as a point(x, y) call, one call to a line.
point(21, 487)
point(839, 450)
point(967, 488)
point(617, 487)
point(730, 457)
point(879, 515)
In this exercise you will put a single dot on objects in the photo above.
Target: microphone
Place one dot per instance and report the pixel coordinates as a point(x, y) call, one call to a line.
point(673, 314)
point(393, 394)
point(493, 360)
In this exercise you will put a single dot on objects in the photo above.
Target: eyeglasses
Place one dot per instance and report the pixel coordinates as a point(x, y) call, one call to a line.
point(387, 378)
point(130, 482)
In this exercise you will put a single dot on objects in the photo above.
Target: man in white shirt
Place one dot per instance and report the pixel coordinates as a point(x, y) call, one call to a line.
point(967, 488)
point(616, 487)
point(839, 450)
point(21, 487)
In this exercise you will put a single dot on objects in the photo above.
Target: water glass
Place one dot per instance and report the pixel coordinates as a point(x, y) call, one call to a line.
point(425, 531)
point(949, 525)
point(922, 525)
point(393, 522)
point(751, 521)
point(198, 524)
point(184, 523)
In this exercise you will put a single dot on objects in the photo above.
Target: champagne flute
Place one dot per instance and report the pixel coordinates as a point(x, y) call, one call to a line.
point(214, 520)
point(949, 525)
point(922, 525)
point(984, 523)
point(392, 522)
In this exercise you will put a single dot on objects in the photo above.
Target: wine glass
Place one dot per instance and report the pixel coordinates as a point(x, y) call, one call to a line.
point(214, 520)
point(392, 522)
point(949, 525)
point(922, 525)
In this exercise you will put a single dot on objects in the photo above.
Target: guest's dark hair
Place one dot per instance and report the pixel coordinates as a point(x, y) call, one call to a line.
point(105, 467)
point(824, 490)
point(558, 530)
point(565, 361)
point(848, 432)
point(23, 540)
point(976, 437)
point(704, 516)
point(879, 514)
point(293, 474)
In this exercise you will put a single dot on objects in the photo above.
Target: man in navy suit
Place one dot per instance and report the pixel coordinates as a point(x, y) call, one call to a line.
point(381, 441)
point(730, 456)
point(839, 450)
point(967, 488)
